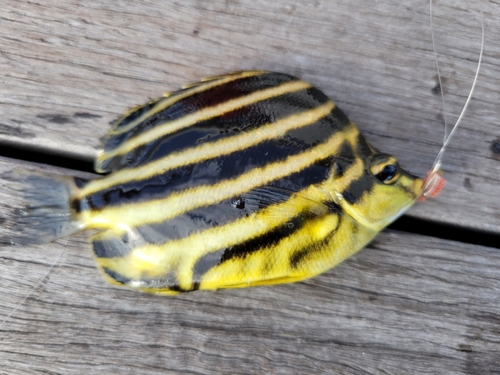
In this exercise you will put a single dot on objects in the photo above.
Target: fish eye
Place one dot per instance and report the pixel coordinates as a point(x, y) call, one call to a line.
point(385, 169)
point(388, 172)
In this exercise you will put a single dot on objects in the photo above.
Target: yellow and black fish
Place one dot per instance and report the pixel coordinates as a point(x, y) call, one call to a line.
point(250, 178)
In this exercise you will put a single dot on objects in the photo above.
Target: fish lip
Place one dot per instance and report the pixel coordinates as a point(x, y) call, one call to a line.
point(418, 187)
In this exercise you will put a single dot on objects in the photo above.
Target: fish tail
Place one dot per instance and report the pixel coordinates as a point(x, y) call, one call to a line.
point(44, 211)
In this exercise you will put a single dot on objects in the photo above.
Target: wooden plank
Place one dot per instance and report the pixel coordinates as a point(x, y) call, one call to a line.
point(68, 68)
point(406, 304)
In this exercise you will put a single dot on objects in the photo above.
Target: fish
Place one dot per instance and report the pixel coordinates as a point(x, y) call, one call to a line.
point(246, 179)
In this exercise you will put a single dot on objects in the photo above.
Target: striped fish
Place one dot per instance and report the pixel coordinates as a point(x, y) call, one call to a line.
point(245, 179)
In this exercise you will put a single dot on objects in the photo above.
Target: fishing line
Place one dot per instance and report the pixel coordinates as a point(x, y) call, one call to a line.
point(446, 141)
point(434, 181)
point(438, 73)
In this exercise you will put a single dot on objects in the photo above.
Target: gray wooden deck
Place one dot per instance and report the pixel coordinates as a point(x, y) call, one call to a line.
point(408, 304)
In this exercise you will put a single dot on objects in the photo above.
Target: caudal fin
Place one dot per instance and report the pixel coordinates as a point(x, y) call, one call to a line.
point(43, 212)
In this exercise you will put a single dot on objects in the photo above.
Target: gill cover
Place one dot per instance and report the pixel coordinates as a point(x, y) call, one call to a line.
point(379, 190)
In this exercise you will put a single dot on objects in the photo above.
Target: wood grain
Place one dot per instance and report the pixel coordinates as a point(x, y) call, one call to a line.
point(407, 304)
point(71, 67)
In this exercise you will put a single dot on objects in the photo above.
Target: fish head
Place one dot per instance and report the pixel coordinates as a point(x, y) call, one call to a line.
point(380, 192)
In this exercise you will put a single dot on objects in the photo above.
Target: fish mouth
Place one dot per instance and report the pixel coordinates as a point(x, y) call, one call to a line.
point(413, 185)
point(417, 187)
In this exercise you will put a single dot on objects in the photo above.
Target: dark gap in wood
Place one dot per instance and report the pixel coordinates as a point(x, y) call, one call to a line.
point(42, 157)
point(403, 224)
point(446, 232)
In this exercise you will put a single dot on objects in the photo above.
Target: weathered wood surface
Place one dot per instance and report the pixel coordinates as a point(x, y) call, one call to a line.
point(70, 67)
point(408, 304)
